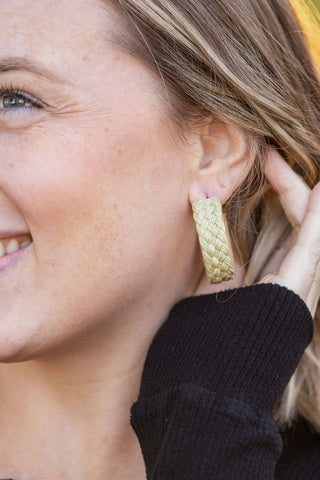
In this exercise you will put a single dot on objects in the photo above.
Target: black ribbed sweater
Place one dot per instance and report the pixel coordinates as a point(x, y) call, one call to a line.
point(213, 376)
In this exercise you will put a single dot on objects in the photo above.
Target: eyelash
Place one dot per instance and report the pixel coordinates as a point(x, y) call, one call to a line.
point(9, 90)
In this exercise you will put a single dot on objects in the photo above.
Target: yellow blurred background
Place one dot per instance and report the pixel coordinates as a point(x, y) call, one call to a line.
point(317, 4)
point(308, 12)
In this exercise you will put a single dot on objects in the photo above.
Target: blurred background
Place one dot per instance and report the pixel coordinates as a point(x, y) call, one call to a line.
point(317, 3)
point(310, 26)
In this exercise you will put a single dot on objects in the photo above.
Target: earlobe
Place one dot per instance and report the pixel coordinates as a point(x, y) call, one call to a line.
point(224, 164)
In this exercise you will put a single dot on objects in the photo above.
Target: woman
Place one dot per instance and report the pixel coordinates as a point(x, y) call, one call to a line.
point(115, 118)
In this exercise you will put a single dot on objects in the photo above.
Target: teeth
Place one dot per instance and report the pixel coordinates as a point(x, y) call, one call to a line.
point(12, 246)
point(25, 244)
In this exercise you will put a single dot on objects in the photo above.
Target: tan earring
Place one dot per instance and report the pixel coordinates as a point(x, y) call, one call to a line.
point(214, 241)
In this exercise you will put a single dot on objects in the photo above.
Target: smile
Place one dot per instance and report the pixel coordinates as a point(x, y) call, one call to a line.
point(11, 249)
point(12, 245)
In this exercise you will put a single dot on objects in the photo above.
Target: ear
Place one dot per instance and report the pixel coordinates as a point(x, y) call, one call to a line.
point(223, 164)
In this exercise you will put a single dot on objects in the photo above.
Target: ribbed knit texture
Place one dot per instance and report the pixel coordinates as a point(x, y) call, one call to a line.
point(300, 459)
point(213, 376)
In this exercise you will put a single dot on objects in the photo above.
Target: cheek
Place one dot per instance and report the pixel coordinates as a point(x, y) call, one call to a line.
point(97, 192)
point(104, 210)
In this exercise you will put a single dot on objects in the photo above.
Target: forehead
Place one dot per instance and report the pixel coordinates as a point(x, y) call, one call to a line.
point(54, 32)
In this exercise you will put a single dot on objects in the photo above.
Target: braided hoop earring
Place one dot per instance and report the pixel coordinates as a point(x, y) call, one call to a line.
point(214, 240)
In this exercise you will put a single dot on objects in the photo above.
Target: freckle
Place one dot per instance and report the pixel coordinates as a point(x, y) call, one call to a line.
point(115, 206)
point(52, 264)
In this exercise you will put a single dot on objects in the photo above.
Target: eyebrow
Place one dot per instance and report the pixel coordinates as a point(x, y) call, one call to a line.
point(8, 64)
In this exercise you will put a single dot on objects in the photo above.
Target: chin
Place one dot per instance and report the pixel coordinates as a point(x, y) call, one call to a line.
point(20, 340)
point(13, 351)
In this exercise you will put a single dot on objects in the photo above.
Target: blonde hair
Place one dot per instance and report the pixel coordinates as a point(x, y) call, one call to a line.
point(248, 63)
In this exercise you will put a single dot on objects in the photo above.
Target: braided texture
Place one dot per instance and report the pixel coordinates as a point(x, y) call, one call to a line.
point(213, 238)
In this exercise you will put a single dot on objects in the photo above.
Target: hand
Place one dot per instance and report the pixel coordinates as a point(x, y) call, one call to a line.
point(299, 268)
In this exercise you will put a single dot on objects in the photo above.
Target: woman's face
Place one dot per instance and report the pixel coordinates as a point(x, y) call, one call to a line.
point(92, 170)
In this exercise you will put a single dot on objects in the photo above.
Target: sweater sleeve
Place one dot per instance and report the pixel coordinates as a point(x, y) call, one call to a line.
point(213, 376)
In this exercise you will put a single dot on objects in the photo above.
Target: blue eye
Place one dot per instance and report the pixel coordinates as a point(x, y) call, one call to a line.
point(12, 100)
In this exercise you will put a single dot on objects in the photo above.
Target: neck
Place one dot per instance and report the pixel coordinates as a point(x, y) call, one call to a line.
point(72, 408)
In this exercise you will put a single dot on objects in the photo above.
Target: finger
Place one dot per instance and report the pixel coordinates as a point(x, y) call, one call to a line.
point(293, 191)
point(300, 269)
